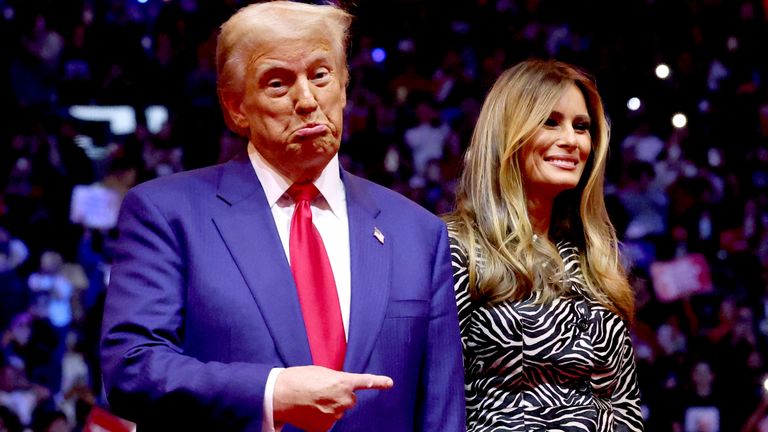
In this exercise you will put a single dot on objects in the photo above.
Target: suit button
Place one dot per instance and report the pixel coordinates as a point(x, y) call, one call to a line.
point(583, 324)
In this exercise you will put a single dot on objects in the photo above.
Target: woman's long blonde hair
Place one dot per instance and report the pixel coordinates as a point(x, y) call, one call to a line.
point(491, 217)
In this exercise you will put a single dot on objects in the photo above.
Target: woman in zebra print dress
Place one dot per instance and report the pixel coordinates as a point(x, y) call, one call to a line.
point(544, 303)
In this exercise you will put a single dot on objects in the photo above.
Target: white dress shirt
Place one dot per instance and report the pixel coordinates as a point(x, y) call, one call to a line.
point(329, 215)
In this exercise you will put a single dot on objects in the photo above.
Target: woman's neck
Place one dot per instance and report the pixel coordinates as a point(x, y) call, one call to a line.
point(540, 215)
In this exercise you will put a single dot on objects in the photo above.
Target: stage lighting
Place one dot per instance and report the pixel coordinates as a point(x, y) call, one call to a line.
point(378, 55)
point(679, 120)
point(662, 71)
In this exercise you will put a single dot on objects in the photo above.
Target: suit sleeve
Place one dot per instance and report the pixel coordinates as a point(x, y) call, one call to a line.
point(147, 376)
point(441, 404)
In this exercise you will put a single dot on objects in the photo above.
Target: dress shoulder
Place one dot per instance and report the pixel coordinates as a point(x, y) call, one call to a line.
point(460, 269)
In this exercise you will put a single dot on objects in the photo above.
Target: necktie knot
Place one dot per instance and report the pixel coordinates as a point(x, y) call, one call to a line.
point(303, 192)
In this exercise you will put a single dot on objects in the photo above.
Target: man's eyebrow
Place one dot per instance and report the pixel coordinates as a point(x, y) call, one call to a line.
point(270, 65)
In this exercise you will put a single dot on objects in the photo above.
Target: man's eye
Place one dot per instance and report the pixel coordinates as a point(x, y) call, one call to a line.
point(321, 74)
point(275, 84)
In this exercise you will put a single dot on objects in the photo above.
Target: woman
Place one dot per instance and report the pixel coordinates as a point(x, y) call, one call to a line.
point(544, 303)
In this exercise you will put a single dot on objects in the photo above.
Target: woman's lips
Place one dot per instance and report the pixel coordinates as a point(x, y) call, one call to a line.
point(562, 162)
point(311, 130)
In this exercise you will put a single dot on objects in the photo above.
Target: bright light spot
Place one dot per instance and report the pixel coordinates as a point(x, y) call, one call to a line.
point(121, 118)
point(157, 116)
point(142, 1)
point(378, 55)
point(679, 120)
point(146, 42)
point(634, 104)
point(662, 71)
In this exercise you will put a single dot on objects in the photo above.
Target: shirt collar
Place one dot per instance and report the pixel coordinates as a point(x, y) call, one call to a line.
point(275, 184)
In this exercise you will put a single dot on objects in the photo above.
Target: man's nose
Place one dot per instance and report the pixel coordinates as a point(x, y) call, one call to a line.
point(306, 101)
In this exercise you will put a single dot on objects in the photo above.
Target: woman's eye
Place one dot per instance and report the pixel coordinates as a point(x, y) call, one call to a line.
point(275, 84)
point(581, 126)
point(550, 122)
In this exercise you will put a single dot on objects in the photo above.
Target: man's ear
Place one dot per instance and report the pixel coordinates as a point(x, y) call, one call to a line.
point(233, 105)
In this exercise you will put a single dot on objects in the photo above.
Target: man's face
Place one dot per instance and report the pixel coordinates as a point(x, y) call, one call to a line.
point(293, 105)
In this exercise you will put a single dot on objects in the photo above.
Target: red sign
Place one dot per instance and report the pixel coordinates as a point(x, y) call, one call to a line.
point(681, 277)
point(101, 420)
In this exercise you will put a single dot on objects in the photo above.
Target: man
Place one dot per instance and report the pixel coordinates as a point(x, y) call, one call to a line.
point(210, 323)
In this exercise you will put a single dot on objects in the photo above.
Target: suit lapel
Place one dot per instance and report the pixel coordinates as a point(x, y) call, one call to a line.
point(370, 274)
point(249, 231)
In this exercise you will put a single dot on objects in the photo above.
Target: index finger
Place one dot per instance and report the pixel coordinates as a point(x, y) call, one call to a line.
point(369, 381)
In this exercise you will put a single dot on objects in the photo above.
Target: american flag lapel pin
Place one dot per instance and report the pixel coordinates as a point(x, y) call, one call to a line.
point(378, 234)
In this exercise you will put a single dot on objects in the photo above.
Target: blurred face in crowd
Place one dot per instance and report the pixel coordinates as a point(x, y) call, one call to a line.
point(702, 375)
point(293, 103)
point(555, 157)
point(21, 329)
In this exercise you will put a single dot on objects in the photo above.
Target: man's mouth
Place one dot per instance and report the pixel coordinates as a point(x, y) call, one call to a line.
point(311, 130)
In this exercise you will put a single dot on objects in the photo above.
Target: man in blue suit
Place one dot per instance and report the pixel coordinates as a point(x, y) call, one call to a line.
point(205, 325)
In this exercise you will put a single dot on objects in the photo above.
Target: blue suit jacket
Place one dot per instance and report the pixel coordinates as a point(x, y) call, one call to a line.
point(201, 306)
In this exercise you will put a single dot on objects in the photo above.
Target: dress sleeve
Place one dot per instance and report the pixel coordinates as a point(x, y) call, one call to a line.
point(626, 397)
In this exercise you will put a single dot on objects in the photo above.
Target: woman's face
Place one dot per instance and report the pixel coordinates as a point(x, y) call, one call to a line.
point(554, 159)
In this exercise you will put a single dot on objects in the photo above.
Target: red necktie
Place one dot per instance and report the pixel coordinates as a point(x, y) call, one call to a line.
point(314, 283)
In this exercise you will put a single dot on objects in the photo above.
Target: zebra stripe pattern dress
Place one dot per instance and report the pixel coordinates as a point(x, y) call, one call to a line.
point(565, 366)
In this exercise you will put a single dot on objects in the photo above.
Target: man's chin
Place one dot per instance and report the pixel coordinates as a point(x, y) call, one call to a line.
point(309, 149)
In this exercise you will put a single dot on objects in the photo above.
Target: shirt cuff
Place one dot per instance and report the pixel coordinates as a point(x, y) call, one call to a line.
point(268, 422)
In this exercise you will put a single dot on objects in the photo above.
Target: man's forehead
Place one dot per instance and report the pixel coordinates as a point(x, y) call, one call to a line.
point(307, 48)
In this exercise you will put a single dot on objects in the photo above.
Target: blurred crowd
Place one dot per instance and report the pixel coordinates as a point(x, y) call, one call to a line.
point(690, 201)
